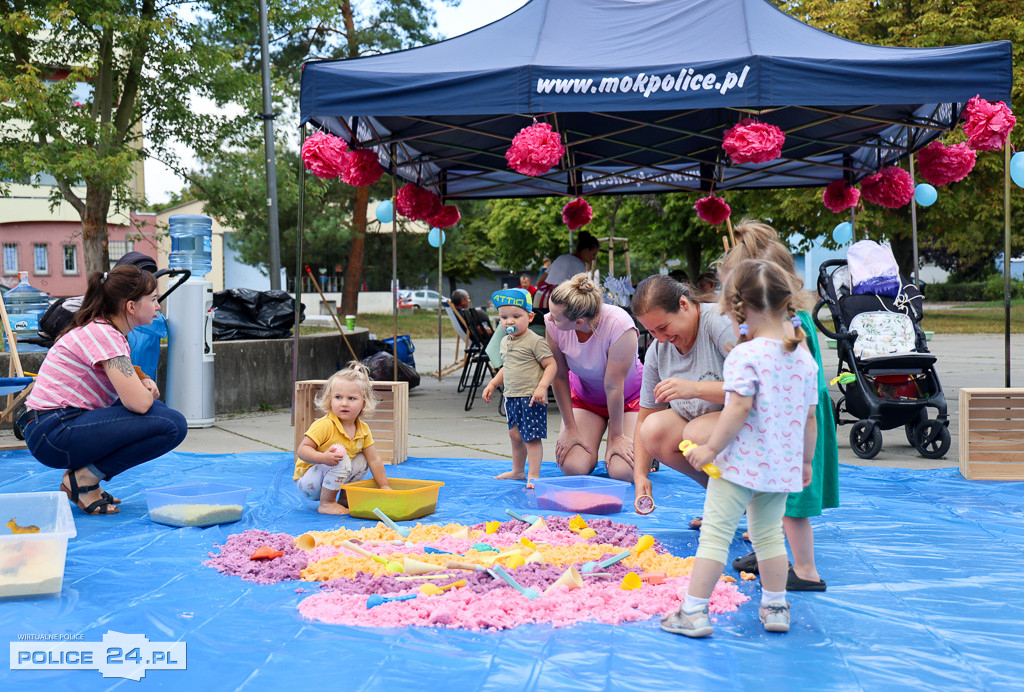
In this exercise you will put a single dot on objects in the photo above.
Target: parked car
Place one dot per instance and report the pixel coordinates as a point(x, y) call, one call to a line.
point(425, 299)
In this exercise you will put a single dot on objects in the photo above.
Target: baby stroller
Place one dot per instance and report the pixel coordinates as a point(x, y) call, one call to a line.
point(891, 380)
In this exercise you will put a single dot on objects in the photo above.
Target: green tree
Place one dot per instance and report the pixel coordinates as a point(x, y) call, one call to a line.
point(81, 79)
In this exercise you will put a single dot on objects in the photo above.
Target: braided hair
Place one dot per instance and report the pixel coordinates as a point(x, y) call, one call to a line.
point(765, 287)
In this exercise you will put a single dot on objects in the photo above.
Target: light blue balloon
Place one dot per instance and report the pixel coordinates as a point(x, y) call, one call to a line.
point(843, 233)
point(435, 237)
point(925, 195)
point(1017, 168)
point(385, 211)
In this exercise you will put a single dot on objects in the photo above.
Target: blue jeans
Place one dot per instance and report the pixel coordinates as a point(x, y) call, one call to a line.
point(106, 441)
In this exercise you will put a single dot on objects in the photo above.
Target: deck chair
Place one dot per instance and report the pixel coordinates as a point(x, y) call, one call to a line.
point(463, 339)
point(16, 386)
point(479, 365)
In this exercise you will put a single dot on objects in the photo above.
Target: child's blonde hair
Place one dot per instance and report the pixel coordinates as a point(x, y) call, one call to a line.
point(763, 286)
point(756, 240)
point(355, 372)
point(579, 297)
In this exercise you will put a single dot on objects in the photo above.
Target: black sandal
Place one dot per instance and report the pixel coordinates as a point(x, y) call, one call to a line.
point(74, 493)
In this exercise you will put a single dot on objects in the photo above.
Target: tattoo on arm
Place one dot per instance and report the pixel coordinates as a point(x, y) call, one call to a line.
point(123, 365)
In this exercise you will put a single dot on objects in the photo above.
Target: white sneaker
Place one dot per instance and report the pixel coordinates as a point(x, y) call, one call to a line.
point(695, 624)
point(775, 617)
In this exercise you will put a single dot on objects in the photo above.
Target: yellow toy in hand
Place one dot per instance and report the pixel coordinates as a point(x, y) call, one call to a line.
point(709, 468)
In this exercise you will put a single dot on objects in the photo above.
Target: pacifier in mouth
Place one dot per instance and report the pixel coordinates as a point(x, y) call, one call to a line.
point(510, 329)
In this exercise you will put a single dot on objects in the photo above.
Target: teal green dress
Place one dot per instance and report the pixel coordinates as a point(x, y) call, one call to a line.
point(823, 492)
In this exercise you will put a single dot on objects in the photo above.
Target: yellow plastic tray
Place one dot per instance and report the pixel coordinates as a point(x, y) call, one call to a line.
point(408, 498)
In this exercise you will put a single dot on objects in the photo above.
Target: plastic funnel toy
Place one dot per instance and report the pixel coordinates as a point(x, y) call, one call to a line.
point(570, 578)
point(530, 594)
point(631, 582)
point(454, 564)
point(643, 544)
point(526, 519)
point(376, 599)
point(591, 566)
point(708, 468)
point(307, 541)
point(400, 530)
point(508, 553)
point(536, 557)
point(412, 566)
point(462, 533)
point(538, 525)
point(644, 504)
point(492, 527)
point(392, 566)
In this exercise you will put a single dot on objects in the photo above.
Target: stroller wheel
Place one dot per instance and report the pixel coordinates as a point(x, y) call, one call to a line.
point(837, 408)
point(912, 426)
point(931, 439)
point(864, 445)
point(18, 432)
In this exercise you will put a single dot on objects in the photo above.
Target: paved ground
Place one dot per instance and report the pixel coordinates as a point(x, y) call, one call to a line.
point(439, 426)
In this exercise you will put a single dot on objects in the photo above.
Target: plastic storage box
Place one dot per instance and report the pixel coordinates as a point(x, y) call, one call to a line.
point(32, 564)
point(588, 494)
point(196, 504)
point(408, 498)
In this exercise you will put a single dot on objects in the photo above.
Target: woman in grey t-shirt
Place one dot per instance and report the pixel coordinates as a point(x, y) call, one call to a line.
point(682, 395)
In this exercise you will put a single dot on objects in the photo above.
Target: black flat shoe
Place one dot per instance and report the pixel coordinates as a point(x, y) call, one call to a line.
point(747, 563)
point(795, 583)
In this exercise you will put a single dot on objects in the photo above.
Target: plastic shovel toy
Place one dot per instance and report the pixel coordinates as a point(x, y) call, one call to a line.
point(392, 566)
point(530, 594)
point(527, 519)
point(454, 564)
point(420, 577)
point(435, 590)
point(400, 530)
point(591, 566)
point(376, 599)
point(708, 468)
point(427, 549)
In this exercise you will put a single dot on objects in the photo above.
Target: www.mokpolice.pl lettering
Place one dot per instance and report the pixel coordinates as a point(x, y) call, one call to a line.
point(647, 84)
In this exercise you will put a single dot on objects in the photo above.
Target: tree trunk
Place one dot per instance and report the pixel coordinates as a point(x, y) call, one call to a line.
point(94, 231)
point(903, 251)
point(693, 255)
point(354, 270)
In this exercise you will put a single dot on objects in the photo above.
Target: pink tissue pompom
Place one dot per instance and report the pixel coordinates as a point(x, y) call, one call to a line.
point(892, 187)
point(448, 216)
point(712, 210)
point(325, 155)
point(363, 168)
point(839, 196)
point(941, 165)
point(577, 213)
point(750, 141)
point(535, 150)
point(415, 203)
point(987, 124)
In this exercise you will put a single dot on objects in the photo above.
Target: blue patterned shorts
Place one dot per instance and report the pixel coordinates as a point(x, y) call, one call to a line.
point(532, 420)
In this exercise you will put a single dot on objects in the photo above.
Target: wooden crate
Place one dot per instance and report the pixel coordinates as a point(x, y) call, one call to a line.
point(992, 434)
point(389, 423)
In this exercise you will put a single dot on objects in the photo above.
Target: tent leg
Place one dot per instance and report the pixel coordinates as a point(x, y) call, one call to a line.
point(1006, 256)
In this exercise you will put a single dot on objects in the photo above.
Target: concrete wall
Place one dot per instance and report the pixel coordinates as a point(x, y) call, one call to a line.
point(370, 302)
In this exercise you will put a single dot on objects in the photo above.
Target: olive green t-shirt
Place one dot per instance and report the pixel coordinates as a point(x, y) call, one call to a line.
point(521, 357)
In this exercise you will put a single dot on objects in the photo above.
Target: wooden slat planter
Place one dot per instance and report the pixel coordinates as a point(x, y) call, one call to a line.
point(992, 434)
point(389, 423)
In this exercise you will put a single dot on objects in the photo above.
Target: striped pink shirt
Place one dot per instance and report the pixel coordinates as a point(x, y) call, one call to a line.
point(72, 374)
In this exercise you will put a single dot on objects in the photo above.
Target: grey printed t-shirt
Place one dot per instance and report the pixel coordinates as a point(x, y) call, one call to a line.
point(702, 364)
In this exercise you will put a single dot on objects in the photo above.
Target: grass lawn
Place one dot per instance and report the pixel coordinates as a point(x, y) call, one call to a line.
point(975, 318)
point(420, 324)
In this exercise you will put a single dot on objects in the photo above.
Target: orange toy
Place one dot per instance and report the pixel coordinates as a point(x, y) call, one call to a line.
point(265, 552)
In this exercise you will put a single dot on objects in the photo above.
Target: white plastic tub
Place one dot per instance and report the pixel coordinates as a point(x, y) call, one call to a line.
point(32, 564)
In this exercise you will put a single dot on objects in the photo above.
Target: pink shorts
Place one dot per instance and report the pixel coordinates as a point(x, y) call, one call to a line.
point(629, 406)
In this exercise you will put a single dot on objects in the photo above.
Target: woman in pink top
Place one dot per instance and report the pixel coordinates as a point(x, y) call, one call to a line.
point(598, 380)
point(89, 412)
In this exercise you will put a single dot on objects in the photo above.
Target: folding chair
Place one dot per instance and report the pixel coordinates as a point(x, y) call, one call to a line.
point(478, 363)
point(463, 338)
point(16, 385)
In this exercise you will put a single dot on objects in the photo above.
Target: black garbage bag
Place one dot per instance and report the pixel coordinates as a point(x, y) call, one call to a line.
point(245, 313)
point(382, 367)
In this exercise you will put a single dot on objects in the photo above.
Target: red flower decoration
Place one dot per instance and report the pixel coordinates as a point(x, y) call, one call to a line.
point(448, 216)
point(535, 150)
point(988, 124)
point(415, 203)
point(941, 165)
point(750, 141)
point(363, 168)
point(577, 213)
point(325, 155)
point(839, 196)
point(892, 187)
point(712, 210)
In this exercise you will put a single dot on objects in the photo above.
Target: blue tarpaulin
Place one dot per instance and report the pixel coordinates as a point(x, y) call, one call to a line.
point(923, 572)
point(642, 92)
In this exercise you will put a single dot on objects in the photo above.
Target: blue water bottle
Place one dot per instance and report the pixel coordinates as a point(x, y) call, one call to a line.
point(191, 243)
point(25, 305)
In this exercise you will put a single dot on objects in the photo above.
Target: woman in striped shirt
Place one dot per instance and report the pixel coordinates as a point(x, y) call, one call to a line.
point(89, 412)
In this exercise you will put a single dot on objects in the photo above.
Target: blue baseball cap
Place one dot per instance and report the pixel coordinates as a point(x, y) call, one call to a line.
point(517, 297)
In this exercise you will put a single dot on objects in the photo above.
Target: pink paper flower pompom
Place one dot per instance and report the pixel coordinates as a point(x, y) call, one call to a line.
point(363, 168)
point(988, 124)
point(712, 210)
point(325, 155)
point(750, 141)
point(577, 213)
point(941, 165)
point(535, 150)
point(839, 196)
point(892, 187)
point(448, 216)
point(415, 203)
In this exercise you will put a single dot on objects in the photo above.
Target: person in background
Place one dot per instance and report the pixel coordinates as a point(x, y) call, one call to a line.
point(564, 268)
point(526, 284)
point(460, 299)
point(707, 283)
point(680, 276)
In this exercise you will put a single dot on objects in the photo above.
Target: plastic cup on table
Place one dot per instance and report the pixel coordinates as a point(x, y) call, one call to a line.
point(350, 322)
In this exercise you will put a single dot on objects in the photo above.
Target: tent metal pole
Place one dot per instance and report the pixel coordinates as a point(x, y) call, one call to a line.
point(298, 273)
point(913, 225)
point(1006, 256)
point(440, 306)
point(394, 259)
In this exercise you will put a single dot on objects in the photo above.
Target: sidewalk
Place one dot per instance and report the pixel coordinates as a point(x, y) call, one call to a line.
point(440, 427)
